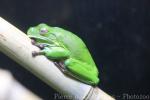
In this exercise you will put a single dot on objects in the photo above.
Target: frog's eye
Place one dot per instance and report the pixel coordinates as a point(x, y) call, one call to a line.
point(43, 31)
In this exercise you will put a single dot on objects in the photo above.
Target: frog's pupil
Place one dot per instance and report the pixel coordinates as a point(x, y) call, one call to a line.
point(43, 30)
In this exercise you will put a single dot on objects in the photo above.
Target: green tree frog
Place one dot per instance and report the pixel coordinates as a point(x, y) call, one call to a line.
point(64, 47)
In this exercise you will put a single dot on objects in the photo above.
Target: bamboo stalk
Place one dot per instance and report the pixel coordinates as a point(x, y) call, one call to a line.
point(17, 46)
point(10, 89)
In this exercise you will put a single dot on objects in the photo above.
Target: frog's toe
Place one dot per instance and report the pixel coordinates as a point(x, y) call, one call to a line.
point(41, 46)
point(33, 41)
point(34, 53)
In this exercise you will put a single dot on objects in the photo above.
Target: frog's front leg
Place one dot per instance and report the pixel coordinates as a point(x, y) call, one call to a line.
point(82, 71)
point(40, 45)
point(54, 53)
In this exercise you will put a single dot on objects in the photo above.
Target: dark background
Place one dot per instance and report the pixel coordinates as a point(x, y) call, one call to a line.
point(115, 31)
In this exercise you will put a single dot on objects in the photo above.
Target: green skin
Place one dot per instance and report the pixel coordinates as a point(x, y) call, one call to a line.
point(61, 45)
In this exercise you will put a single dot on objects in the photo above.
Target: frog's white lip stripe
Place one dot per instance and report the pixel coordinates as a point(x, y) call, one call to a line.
point(41, 38)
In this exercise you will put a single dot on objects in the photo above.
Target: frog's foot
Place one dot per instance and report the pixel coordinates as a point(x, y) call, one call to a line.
point(41, 46)
point(36, 53)
point(61, 66)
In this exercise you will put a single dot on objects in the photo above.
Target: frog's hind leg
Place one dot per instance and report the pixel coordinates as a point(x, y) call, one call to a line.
point(82, 71)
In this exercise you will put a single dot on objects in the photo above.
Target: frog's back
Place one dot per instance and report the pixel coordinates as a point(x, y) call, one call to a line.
point(74, 44)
